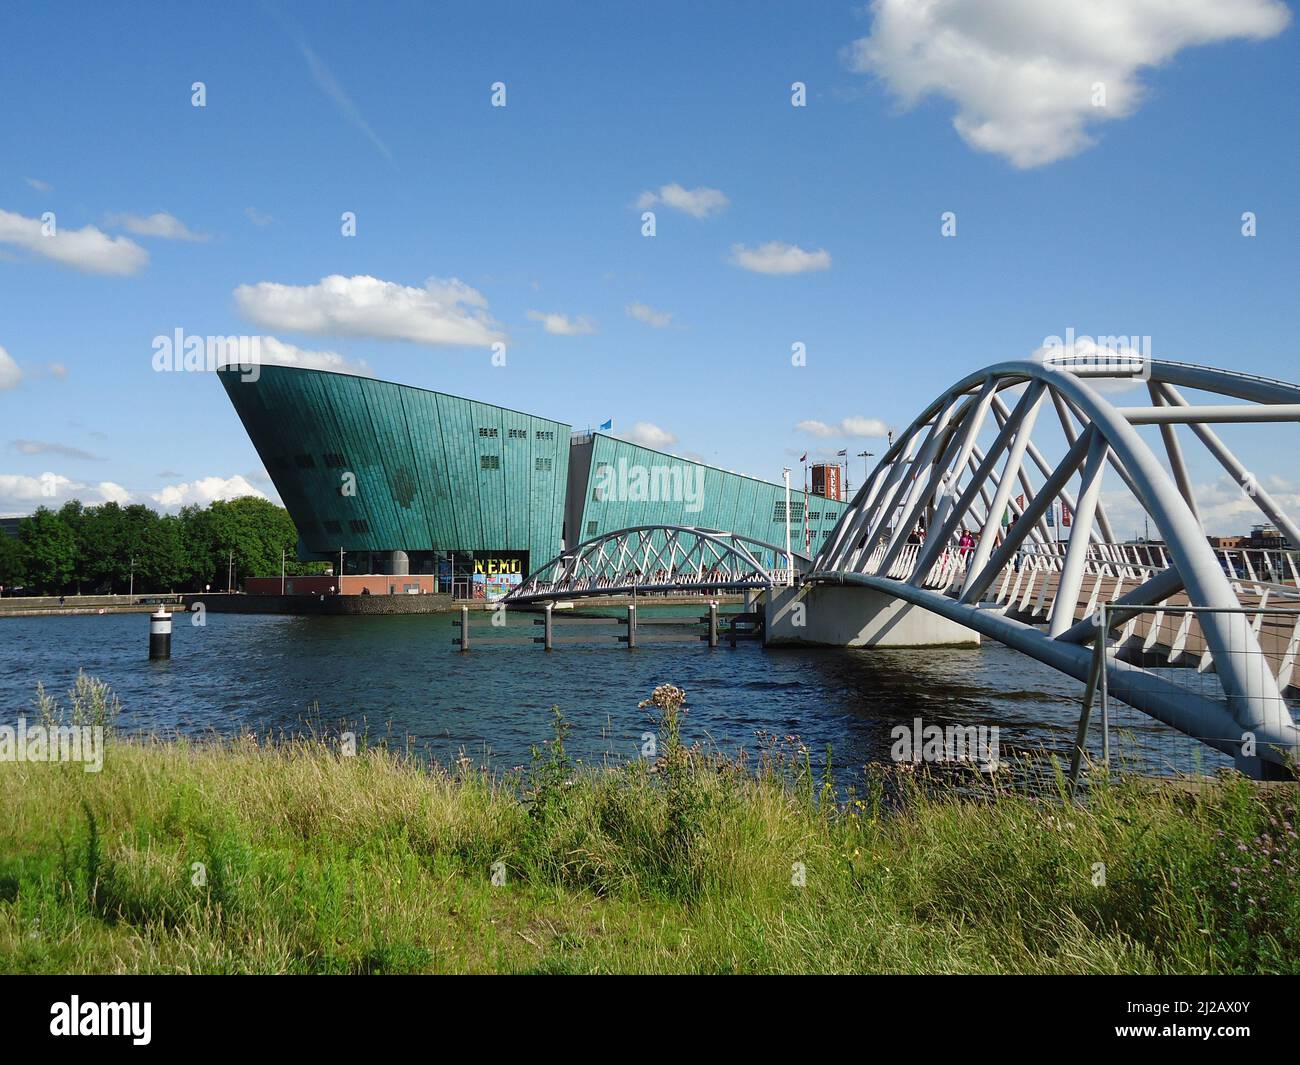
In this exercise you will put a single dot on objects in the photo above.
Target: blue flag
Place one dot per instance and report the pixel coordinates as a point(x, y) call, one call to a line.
point(607, 425)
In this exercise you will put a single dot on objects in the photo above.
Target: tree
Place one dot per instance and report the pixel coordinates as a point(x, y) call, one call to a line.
point(160, 565)
point(13, 564)
point(257, 531)
point(50, 550)
point(100, 546)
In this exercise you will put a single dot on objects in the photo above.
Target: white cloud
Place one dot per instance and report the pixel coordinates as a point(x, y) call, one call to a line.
point(204, 491)
point(159, 224)
point(257, 217)
point(645, 313)
point(20, 494)
point(39, 185)
point(647, 434)
point(442, 312)
point(86, 249)
point(10, 374)
point(852, 426)
point(1022, 72)
point(112, 492)
point(698, 202)
point(277, 352)
point(1226, 509)
point(870, 427)
point(776, 257)
point(562, 325)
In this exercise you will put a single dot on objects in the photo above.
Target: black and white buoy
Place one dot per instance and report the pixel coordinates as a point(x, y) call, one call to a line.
point(160, 634)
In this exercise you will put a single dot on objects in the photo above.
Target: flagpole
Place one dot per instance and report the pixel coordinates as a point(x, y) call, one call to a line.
point(807, 532)
point(789, 558)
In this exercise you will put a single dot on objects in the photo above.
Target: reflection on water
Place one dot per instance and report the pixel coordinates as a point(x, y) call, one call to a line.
point(405, 676)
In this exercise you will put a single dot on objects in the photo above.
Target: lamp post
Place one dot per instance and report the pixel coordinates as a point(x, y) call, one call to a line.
point(865, 455)
point(282, 571)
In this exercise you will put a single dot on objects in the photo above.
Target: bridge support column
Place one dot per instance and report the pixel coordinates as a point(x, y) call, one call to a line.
point(832, 615)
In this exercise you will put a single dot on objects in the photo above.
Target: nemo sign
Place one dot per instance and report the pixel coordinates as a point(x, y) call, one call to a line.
point(491, 567)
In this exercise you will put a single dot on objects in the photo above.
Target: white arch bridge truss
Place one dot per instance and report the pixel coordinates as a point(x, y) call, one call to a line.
point(657, 558)
point(903, 532)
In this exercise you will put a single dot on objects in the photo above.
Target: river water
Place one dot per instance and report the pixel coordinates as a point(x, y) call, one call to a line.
point(404, 677)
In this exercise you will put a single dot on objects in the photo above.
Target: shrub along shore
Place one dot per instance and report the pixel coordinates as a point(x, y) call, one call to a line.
point(297, 856)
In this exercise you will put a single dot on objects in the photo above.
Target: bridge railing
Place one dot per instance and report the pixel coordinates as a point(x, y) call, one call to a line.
point(1253, 569)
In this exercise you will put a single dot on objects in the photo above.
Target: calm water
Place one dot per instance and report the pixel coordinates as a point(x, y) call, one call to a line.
point(403, 675)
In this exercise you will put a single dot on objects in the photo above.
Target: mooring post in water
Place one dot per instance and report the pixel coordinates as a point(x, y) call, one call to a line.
point(548, 632)
point(464, 628)
point(160, 634)
point(713, 624)
point(631, 626)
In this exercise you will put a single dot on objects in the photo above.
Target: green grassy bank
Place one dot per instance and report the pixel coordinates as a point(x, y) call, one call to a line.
point(311, 860)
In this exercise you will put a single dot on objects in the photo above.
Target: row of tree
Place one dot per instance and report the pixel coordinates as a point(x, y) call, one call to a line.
point(110, 548)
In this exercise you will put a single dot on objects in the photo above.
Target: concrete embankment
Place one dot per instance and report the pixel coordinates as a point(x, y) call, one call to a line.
point(38, 606)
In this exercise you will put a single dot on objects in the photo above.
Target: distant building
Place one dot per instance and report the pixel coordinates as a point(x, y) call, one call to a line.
point(9, 527)
point(827, 480)
point(404, 481)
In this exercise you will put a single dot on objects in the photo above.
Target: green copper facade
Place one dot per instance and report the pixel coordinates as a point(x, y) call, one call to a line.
point(432, 472)
point(369, 466)
point(616, 484)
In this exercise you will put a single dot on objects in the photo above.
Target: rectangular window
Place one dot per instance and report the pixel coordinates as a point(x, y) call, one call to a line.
point(518, 434)
point(304, 462)
point(591, 528)
point(359, 525)
point(489, 462)
point(333, 527)
point(490, 431)
point(542, 465)
point(334, 460)
point(545, 434)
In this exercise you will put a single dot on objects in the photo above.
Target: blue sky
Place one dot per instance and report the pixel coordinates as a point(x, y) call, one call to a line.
point(385, 110)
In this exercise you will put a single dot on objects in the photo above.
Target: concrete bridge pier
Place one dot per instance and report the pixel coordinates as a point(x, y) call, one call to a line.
point(830, 615)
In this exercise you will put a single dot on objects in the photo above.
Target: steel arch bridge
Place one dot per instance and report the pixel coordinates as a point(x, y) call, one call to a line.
point(903, 532)
point(657, 558)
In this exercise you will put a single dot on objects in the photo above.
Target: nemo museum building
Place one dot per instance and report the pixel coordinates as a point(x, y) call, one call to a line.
point(401, 481)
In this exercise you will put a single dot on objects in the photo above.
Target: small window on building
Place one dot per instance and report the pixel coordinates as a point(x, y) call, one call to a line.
point(304, 462)
point(359, 525)
point(489, 462)
point(545, 434)
point(591, 528)
point(334, 460)
point(542, 465)
point(333, 527)
point(490, 431)
point(518, 434)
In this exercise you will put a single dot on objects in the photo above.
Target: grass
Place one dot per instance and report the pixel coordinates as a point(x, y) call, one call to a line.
point(249, 856)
